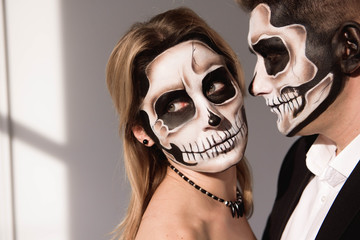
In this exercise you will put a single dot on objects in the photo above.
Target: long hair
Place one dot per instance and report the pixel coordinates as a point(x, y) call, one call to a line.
point(127, 84)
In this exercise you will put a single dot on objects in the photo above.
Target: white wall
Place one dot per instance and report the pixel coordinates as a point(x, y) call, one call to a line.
point(63, 149)
point(6, 198)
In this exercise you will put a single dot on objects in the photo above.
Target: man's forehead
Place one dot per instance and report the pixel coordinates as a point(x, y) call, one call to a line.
point(259, 22)
point(261, 28)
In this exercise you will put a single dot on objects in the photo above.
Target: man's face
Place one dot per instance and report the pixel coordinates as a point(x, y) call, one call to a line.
point(195, 108)
point(292, 85)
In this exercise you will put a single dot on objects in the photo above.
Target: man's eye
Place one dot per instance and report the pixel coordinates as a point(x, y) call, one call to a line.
point(176, 106)
point(275, 54)
point(273, 57)
point(214, 88)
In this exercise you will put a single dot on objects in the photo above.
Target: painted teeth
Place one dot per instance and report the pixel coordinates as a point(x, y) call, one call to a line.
point(286, 104)
point(211, 148)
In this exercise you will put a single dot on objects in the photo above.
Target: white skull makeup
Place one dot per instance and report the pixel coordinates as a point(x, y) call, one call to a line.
point(284, 76)
point(195, 108)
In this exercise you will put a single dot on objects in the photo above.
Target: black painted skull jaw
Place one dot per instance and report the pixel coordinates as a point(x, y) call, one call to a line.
point(293, 100)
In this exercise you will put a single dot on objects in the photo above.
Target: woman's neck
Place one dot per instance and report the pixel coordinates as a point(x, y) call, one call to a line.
point(222, 184)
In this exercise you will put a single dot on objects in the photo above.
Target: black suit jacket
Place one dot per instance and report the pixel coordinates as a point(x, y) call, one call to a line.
point(343, 218)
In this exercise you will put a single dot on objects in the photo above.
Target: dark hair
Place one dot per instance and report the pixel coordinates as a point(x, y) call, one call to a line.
point(323, 16)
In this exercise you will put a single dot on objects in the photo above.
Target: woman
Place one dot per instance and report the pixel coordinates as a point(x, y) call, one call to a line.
point(178, 89)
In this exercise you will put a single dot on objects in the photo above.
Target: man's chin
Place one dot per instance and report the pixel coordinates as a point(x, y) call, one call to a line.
point(286, 127)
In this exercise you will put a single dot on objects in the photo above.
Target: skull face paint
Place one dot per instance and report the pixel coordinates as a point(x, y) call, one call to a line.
point(291, 84)
point(195, 108)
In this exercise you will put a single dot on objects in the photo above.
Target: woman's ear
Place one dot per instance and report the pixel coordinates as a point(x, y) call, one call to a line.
point(141, 136)
point(346, 46)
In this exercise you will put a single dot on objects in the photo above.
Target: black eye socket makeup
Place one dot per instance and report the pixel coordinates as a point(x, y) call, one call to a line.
point(174, 108)
point(275, 54)
point(217, 86)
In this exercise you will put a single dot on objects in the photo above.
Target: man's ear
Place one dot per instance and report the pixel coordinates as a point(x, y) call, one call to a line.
point(141, 136)
point(346, 47)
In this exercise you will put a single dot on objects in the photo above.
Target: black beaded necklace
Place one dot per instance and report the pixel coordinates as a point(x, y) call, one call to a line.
point(236, 207)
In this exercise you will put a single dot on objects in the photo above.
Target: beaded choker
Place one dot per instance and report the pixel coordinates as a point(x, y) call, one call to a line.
point(236, 207)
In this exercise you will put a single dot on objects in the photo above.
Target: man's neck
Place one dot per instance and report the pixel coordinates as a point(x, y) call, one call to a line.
point(342, 118)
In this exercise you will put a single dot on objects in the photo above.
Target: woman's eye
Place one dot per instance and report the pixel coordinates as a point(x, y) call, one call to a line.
point(214, 88)
point(217, 86)
point(176, 106)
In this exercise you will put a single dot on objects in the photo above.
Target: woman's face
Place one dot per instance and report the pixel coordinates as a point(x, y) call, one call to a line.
point(195, 108)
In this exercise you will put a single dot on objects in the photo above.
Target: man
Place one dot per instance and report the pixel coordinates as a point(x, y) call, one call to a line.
point(308, 58)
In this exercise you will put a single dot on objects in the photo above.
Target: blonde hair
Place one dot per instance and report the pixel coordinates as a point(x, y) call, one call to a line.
point(127, 84)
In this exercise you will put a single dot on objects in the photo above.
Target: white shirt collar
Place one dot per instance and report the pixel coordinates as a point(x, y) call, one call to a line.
point(323, 154)
point(348, 158)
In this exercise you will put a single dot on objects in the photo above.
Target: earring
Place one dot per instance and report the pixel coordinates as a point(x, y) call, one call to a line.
point(145, 141)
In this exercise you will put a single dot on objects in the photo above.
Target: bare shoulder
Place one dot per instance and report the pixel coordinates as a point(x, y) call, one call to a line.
point(171, 227)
